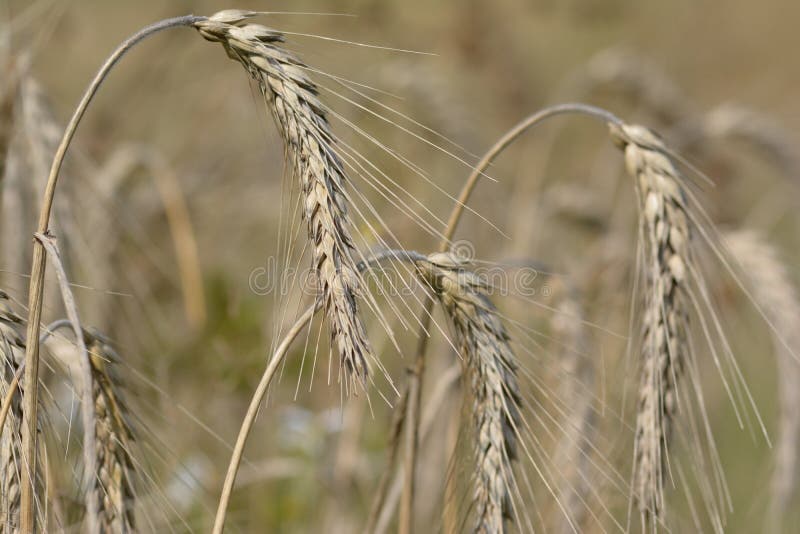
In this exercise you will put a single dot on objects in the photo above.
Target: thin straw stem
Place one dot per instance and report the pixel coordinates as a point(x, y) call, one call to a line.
point(252, 413)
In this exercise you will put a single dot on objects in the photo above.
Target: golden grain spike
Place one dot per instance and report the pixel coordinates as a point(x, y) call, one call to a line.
point(301, 120)
point(665, 232)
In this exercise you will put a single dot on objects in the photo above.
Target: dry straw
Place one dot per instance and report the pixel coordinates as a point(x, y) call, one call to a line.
point(302, 122)
point(490, 366)
point(664, 231)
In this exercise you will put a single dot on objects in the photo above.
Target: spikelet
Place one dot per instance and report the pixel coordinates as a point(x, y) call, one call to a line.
point(664, 228)
point(302, 122)
point(491, 368)
point(114, 484)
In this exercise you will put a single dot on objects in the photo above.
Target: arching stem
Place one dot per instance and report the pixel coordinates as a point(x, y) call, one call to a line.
point(31, 378)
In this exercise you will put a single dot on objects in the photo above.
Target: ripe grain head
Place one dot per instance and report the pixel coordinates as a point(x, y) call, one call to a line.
point(113, 489)
point(491, 367)
point(301, 119)
point(665, 235)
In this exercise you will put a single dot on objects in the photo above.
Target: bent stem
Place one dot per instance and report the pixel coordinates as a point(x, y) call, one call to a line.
point(252, 412)
point(87, 400)
point(414, 390)
point(36, 289)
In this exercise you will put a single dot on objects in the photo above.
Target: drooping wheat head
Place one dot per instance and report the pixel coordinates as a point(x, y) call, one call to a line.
point(665, 235)
point(301, 119)
point(113, 487)
point(491, 367)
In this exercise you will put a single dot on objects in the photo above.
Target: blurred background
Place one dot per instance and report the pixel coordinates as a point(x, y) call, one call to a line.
point(175, 206)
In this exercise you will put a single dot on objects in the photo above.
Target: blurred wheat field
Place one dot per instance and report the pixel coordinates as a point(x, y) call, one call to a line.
point(607, 341)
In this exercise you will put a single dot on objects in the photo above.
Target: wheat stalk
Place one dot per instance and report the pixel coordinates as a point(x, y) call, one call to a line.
point(302, 122)
point(491, 366)
point(775, 295)
point(664, 229)
point(113, 491)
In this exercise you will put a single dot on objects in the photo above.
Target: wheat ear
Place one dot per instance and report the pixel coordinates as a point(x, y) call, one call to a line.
point(113, 491)
point(491, 367)
point(302, 122)
point(10, 443)
point(775, 294)
point(664, 229)
point(11, 347)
